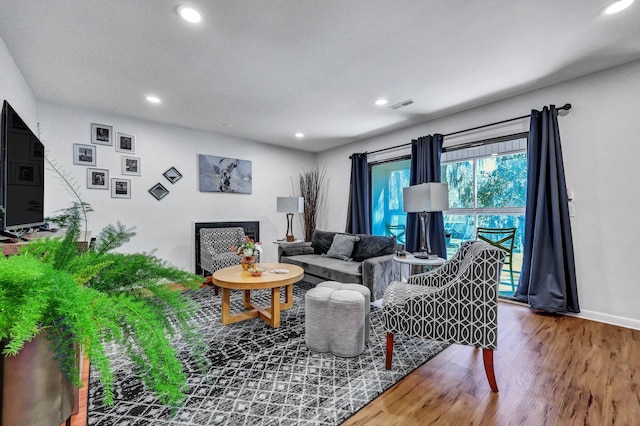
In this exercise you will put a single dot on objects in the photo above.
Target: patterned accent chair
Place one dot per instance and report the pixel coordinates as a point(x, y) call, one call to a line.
point(215, 249)
point(455, 303)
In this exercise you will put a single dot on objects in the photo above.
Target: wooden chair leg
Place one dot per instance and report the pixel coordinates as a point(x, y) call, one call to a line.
point(487, 356)
point(208, 281)
point(389, 351)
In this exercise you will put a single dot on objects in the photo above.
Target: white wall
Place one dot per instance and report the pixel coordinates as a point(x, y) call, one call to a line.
point(601, 149)
point(167, 225)
point(15, 89)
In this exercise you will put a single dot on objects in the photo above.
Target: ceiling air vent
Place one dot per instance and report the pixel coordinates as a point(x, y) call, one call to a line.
point(401, 104)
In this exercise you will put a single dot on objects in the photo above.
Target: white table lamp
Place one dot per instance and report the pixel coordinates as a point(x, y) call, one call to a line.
point(290, 205)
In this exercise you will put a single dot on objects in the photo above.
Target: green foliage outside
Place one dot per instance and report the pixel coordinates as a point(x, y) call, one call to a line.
point(504, 183)
point(501, 182)
point(89, 298)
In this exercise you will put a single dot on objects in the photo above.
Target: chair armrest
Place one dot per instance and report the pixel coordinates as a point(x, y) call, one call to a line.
point(206, 261)
point(378, 272)
point(294, 249)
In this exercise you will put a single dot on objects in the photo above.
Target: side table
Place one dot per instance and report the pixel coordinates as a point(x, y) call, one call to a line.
point(287, 242)
point(417, 264)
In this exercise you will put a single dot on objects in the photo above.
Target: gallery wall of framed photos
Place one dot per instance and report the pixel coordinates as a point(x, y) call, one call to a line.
point(168, 155)
point(103, 135)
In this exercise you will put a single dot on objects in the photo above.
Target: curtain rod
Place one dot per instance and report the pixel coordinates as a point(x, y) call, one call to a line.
point(565, 107)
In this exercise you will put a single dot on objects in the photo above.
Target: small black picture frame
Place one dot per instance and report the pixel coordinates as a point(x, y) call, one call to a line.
point(158, 191)
point(172, 175)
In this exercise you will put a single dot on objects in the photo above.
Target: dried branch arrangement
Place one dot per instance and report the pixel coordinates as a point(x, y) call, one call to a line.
point(313, 191)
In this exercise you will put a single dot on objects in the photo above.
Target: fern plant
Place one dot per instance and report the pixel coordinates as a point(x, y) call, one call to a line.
point(88, 298)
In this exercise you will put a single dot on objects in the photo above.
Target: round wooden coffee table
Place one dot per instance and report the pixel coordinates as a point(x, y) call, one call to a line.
point(235, 278)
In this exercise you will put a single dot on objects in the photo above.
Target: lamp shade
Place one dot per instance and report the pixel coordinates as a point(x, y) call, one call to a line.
point(290, 204)
point(426, 197)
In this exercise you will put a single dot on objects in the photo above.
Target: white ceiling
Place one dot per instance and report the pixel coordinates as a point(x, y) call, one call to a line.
point(263, 70)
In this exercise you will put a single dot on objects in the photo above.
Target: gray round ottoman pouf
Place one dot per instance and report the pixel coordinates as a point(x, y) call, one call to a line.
point(346, 308)
point(317, 333)
point(360, 289)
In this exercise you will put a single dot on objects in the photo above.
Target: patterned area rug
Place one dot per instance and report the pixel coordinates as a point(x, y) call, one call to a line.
point(264, 376)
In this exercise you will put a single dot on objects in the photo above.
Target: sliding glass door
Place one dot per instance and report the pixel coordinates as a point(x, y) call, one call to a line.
point(387, 181)
point(487, 188)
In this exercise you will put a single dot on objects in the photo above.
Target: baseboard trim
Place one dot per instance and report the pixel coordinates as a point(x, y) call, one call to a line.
point(592, 316)
point(608, 319)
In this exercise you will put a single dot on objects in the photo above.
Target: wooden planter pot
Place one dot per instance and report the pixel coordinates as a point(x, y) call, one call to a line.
point(34, 390)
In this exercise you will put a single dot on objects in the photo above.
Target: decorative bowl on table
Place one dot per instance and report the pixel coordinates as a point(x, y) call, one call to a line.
point(256, 271)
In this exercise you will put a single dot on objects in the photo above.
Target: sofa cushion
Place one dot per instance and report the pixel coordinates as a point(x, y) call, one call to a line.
point(342, 246)
point(370, 246)
point(321, 241)
point(327, 267)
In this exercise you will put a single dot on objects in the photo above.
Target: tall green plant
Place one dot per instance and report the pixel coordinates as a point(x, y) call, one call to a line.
point(89, 298)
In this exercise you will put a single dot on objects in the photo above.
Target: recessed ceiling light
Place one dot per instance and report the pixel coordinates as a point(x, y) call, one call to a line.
point(153, 99)
point(189, 14)
point(381, 102)
point(618, 6)
point(299, 135)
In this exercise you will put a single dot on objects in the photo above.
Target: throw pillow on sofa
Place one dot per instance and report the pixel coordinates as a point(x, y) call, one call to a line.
point(321, 241)
point(370, 246)
point(342, 246)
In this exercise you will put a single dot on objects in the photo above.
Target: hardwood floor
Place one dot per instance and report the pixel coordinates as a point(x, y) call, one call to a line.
point(551, 370)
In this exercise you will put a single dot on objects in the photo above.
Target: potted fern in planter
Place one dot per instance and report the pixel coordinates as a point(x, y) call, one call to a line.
point(86, 298)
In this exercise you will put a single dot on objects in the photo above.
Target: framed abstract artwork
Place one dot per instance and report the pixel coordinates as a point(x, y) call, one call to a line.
point(222, 174)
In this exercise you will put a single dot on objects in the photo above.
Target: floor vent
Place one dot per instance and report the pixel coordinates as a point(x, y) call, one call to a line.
point(401, 104)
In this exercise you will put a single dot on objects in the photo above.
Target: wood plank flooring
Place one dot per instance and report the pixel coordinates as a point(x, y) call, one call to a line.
point(551, 370)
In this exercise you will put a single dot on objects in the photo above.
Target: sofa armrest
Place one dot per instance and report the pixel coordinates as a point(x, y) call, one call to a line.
point(378, 273)
point(294, 249)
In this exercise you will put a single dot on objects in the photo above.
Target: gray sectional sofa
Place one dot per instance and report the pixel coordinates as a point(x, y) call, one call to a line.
point(370, 262)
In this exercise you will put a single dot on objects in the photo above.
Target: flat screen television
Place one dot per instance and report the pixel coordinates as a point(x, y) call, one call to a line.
point(21, 175)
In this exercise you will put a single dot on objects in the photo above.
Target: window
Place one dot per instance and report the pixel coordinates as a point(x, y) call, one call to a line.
point(487, 188)
point(387, 181)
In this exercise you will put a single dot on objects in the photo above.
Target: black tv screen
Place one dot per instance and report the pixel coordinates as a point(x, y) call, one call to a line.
point(22, 177)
